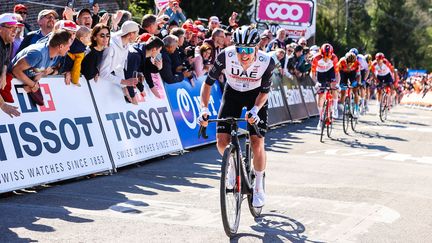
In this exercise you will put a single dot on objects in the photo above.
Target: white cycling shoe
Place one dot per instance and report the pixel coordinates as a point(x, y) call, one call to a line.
point(230, 178)
point(258, 198)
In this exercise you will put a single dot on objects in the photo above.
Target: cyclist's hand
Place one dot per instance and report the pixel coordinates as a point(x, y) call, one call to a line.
point(317, 85)
point(252, 115)
point(203, 117)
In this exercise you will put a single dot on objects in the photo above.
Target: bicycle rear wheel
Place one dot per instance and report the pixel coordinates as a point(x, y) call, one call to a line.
point(323, 119)
point(383, 108)
point(346, 115)
point(329, 121)
point(230, 198)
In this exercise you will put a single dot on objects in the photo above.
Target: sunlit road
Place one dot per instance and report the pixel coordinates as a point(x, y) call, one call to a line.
point(374, 185)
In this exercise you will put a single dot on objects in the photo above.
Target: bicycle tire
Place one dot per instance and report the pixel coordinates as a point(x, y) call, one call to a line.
point(346, 115)
point(329, 121)
point(323, 120)
point(383, 107)
point(256, 212)
point(353, 120)
point(230, 224)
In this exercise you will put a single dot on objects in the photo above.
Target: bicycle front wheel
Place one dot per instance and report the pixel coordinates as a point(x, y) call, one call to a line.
point(230, 191)
point(383, 108)
point(323, 120)
point(346, 115)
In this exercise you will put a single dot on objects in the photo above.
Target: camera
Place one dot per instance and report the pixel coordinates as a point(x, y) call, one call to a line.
point(187, 67)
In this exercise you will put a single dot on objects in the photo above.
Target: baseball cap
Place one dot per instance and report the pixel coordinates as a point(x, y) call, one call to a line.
point(214, 19)
point(128, 27)
point(68, 25)
point(45, 12)
point(10, 19)
point(84, 10)
point(145, 37)
point(19, 7)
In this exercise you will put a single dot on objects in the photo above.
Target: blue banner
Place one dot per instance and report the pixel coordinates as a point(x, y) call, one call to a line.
point(184, 98)
point(413, 72)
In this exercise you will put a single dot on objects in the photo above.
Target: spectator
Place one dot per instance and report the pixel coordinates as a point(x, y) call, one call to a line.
point(228, 38)
point(18, 37)
point(297, 64)
point(264, 40)
point(175, 12)
point(188, 27)
point(8, 26)
point(278, 56)
point(217, 42)
point(289, 55)
point(302, 42)
point(144, 57)
point(22, 10)
point(39, 60)
point(178, 57)
point(115, 57)
point(75, 56)
point(84, 18)
point(100, 38)
point(149, 24)
point(95, 15)
point(279, 42)
point(46, 21)
point(168, 73)
point(213, 24)
point(202, 61)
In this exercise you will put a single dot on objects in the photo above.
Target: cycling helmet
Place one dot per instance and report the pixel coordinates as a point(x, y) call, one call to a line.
point(354, 50)
point(246, 36)
point(350, 57)
point(379, 56)
point(368, 58)
point(326, 50)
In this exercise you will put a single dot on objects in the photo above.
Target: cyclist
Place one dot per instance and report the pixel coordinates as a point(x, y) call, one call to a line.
point(325, 72)
point(248, 73)
point(368, 84)
point(364, 72)
point(383, 73)
point(349, 69)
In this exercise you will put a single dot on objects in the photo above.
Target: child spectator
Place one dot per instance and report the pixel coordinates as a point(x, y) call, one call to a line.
point(76, 55)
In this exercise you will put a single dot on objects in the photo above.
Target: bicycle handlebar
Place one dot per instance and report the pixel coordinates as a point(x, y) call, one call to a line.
point(231, 120)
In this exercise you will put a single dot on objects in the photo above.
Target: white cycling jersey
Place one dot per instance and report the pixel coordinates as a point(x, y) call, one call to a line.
point(363, 63)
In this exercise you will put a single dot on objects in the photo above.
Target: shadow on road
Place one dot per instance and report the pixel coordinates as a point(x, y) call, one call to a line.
point(277, 227)
point(357, 144)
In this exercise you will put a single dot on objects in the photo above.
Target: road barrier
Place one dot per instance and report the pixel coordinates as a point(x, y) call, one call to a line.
point(90, 129)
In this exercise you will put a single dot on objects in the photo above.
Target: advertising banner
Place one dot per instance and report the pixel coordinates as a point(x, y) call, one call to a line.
point(293, 96)
point(57, 141)
point(308, 93)
point(160, 3)
point(136, 132)
point(185, 103)
point(413, 72)
point(277, 111)
point(285, 11)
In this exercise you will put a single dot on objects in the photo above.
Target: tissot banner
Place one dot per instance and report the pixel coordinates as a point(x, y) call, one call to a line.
point(136, 132)
point(57, 141)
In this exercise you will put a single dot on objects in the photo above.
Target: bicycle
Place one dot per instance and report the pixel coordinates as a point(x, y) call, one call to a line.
point(385, 104)
point(231, 199)
point(327, 113)
point(348, 111)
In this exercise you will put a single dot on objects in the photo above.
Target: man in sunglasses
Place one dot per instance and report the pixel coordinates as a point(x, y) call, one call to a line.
point(21, 9)
point(248, 73)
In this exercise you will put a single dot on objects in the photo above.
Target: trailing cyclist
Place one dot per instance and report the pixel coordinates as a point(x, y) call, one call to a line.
point(248, 73)
point(368, 83)
point(325, 73)
point(364, 72)
point(383, 73)
point(349, 70)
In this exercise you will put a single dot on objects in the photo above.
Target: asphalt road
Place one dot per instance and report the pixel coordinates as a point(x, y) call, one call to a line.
point(371, 186)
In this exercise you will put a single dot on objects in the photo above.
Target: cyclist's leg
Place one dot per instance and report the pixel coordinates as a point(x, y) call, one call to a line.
point(320, 101)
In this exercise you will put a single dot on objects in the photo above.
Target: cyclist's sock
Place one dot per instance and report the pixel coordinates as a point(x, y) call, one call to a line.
point(259, 180)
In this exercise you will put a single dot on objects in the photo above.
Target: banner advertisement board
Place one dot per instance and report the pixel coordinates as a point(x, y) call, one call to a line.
point(277, 111)
point(293, 96)
point(185, 103)
point(136, 132)
point(308, 93)
point(60, 140)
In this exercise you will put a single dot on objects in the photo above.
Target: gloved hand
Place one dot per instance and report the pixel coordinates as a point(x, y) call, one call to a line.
point(254, 118)
point(203, 116)
point(317, 85)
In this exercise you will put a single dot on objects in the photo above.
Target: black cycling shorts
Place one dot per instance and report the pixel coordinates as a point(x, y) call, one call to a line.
point(351, 76)
point(383, 81)
point(232, 105)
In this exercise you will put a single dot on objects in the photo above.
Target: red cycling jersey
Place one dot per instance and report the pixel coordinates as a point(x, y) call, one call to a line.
point(321, 65)
point(345, 67)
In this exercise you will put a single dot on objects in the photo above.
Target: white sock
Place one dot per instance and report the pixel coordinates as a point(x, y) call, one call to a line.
point(259, 180)
point(335, 104)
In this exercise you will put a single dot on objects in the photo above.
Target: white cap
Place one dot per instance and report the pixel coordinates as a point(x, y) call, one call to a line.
point(214, 19)
point(68, 25)
point(10, 19)
point(128, 27)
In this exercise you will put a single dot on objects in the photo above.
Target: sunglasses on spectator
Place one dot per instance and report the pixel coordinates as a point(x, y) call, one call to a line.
point(104, 35)
point(290, 50)
point(245, 50)
point(21, 12)
point(303, 43)
point(13, 28)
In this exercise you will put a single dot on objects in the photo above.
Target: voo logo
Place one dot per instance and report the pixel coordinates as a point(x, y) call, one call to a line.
point(27, 104)
point(190, 111)
point(284, 11)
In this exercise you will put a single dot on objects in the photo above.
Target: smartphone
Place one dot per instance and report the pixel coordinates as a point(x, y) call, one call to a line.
point(158, 57)
point(70, 3)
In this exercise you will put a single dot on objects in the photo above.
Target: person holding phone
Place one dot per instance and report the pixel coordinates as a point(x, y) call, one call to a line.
point(174, 11)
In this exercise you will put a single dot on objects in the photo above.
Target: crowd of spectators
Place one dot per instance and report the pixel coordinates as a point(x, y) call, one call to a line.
point(113, 47)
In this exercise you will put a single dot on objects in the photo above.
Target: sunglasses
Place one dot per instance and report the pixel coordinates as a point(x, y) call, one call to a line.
point(245, 50)
point(20, 12)
point(290, 50)
point(104, 35)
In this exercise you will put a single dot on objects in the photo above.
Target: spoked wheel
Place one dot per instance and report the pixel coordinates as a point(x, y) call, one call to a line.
point(256, 212)
point(323, 120)
point(354, 122)
point(346, 116)
point(383, 108)
point(230, 192)
point(329, 123)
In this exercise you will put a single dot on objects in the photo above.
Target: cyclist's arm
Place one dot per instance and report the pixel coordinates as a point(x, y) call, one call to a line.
point(213, 75)
point(265, 85)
